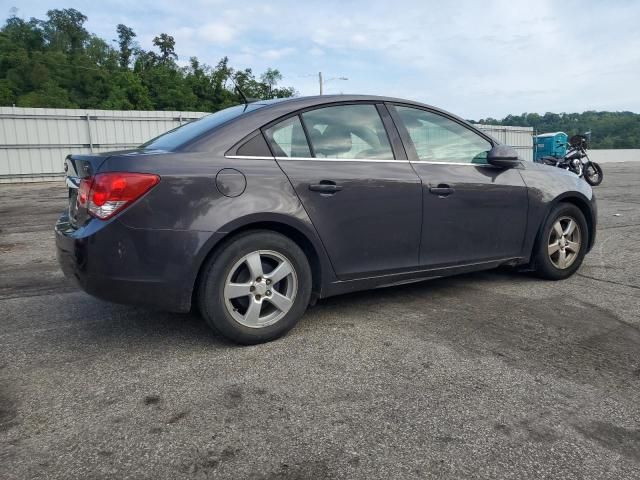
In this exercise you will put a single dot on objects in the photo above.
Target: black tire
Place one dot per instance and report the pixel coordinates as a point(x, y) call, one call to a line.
point(544, 263)
point(211, 290)
point(596, 176)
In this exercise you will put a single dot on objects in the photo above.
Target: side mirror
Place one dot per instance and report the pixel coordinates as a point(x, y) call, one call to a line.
point(503, 156)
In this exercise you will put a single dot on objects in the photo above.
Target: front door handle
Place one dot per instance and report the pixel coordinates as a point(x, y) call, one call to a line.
point(325, 186)
point(442, 190)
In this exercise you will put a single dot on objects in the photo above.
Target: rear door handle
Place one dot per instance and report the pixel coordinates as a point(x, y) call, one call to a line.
point(442, 190)
point(325, 186)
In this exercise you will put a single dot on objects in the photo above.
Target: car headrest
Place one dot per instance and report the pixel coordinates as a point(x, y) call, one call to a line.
point(334, 140)
point(315, 135)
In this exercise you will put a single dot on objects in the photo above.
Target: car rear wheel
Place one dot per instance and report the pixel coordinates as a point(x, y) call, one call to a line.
point(256, 288)
point(562, 244)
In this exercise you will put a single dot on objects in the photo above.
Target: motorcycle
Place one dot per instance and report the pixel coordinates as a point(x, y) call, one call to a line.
point(577, 161)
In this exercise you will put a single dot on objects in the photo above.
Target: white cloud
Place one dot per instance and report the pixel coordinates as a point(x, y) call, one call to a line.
point(217, 32)
point(477, 59)
point(486, 58)
point(278, 53)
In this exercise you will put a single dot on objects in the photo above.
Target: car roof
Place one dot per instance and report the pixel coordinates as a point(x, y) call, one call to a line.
point(297, 103)
point(311, 100)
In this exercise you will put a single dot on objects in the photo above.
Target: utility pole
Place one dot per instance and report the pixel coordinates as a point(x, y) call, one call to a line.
point(322, 82)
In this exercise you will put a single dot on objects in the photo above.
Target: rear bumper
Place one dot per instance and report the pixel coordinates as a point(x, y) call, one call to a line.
point(120, 264)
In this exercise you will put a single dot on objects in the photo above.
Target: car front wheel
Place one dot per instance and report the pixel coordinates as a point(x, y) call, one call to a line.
point(562, 244)
point(256, 288)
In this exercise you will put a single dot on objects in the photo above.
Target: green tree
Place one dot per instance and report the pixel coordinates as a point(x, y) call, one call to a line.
point(270, 79)
point(608, 129)
point(125, 41)
point(166, 44)
point(56, 62)
point(64, 30)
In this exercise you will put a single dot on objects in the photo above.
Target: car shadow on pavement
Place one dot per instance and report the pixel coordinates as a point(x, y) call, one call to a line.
point(93, 321)
point(132, 322)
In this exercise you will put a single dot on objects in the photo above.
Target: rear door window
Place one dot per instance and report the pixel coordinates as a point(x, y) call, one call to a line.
point(348, 132)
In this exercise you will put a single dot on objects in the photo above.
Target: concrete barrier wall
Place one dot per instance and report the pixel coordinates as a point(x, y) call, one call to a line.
point(35, 141)
point(619, 155)
point(520, 138)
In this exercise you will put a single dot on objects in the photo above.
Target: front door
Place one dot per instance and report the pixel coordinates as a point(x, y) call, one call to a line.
point(364, 203)
point(473, 211)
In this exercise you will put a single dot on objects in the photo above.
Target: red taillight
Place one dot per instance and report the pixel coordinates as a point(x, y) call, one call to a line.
point(106, 194)
point(84, 191)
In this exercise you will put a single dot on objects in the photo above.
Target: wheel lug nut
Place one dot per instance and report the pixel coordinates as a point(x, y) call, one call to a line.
point(259, 279)
point(268, 292)
point(257, 297)
point(252, 288)
point(268, 282)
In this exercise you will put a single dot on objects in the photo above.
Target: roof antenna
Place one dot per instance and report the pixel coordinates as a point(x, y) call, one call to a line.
point(245, 99)
point(241, 93)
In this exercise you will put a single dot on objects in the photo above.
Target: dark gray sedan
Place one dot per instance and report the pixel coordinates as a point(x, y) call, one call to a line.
point(256, 211)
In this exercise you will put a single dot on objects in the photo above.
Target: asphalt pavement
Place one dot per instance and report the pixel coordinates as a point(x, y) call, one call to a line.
point(489, 375)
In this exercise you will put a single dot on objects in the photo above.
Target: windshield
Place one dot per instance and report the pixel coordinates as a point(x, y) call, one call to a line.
point(189, 131)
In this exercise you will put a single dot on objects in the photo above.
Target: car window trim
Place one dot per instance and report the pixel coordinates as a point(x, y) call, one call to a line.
point(393, 136)
point(459, 164)
point(312, 149)
point(410, 147)
point(360, 160)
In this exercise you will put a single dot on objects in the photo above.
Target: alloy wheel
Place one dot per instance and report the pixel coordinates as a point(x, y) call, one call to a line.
point(564, 243)
point(260, 288)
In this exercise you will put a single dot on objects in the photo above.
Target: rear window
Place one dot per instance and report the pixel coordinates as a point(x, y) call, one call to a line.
point(192, 130)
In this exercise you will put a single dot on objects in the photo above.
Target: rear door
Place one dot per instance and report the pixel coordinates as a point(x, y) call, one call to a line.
point(473, 211)
point(361, 193)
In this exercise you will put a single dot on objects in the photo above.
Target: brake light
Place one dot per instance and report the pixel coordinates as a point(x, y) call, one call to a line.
point(84, 191)
point(106, 194)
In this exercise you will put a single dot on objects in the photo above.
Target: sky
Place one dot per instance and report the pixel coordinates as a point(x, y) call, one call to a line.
point(477, 59)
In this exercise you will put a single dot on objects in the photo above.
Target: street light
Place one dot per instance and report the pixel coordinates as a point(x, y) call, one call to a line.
point(322, 82)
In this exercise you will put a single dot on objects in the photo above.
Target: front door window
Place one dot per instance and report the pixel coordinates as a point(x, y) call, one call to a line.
point(439, 139)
